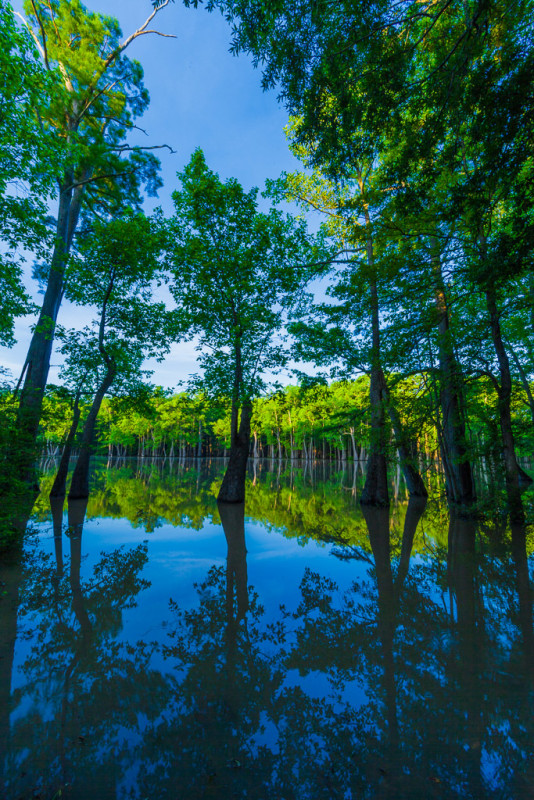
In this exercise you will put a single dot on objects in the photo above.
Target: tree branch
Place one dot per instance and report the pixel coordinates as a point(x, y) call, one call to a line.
point(126, 148)
point(139, 32)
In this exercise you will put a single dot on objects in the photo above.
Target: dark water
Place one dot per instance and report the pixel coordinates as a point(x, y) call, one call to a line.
point(295, 649)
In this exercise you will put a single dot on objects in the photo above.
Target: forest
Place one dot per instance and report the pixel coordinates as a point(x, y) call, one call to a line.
point(266, 407)
point(386, 317)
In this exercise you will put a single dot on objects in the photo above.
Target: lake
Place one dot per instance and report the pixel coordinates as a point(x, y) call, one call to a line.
point(155, 646)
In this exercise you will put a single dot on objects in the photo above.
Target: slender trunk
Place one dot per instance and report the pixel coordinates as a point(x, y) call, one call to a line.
point(233, 486)
point(255, 453)
point(512, 471)
point(199, 441)
point(375, 491)
point(40, 349)
point(407, 452)
point(59, 486)
point(458, 473)
point(79, 487)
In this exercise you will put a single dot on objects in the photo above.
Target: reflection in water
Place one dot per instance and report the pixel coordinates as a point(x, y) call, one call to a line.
point(375, 655)
point(233, 522)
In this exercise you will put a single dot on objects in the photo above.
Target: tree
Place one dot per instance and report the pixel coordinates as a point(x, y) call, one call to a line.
point(79, 374)
point(364, 285)
point(116, 272)
point(96, 96)
point(238, 274)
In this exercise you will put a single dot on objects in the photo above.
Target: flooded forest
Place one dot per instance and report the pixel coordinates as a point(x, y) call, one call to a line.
point(303, 571)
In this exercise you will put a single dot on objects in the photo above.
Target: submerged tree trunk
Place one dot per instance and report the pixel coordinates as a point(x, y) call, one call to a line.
point(59, 485)
point(513, 473)
point(458, 474)
point(407, 452)
point(375, 491)
point(79, 487)
point(233, 486)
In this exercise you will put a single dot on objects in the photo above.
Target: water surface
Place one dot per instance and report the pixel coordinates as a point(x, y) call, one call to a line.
point(297, 648)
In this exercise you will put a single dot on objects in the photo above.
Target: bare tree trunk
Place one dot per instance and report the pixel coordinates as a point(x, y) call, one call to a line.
point(79, 487)
point(38, 358)
point(59, 485)
point(513, 473)
point(407, 452)
point(458, 472)
point(233, 486)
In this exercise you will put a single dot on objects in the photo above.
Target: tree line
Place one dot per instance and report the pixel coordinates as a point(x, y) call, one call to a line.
point(412, 123)
point(313, 422)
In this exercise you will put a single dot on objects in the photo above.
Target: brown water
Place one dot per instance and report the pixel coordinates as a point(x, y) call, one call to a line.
point(297, 648)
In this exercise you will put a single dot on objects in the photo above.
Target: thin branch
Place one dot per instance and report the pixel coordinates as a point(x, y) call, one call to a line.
point(126, 148)
point(101, 178)
point(139, 32)
point(45, 51)
point(32, 34)
point(95, 97)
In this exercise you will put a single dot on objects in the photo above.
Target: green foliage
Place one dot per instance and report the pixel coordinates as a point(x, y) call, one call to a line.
point(117, 271)
point(26, 159)
point(238, 274)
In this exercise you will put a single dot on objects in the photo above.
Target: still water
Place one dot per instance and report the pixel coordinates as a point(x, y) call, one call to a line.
point(295, 648)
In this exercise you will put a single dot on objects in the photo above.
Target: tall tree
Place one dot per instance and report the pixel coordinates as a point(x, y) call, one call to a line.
point(353, 207)
point(117, 272)
point(238, 274)
point(97, 95)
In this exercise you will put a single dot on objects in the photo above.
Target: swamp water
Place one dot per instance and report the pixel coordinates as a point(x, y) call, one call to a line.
point(298, 648)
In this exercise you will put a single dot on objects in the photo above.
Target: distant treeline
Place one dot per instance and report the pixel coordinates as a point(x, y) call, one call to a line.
point(318, 421)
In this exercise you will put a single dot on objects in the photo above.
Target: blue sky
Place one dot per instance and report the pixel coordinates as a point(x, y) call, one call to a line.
point(201, 96)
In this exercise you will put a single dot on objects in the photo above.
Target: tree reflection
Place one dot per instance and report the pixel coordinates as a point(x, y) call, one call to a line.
point(83, 689)
point(415, 704)
point(414, 680)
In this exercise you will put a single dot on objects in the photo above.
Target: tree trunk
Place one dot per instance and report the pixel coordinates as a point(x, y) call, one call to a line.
point(458, 473)
point(513, 474)
point(375, 492)
point(38, 358)
point(79, 487)
point(199, 441)
point(59, 485)
point(233, 486)
point(407, 452)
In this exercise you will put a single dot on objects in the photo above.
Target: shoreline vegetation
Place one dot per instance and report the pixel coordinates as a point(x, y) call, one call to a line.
point(312, 423)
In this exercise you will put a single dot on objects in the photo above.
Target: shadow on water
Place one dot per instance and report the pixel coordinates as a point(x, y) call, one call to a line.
point(374, 654)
